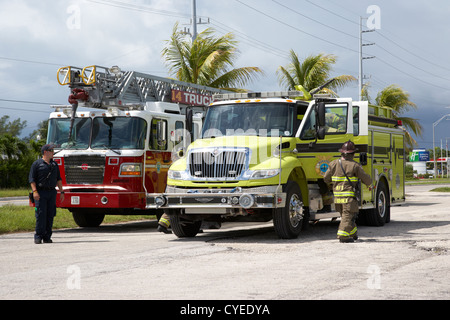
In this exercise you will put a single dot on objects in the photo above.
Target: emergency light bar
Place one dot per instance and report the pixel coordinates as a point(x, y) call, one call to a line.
point(254, 95)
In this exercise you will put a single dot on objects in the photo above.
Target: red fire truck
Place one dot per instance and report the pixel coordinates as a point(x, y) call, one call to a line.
point(120, 146)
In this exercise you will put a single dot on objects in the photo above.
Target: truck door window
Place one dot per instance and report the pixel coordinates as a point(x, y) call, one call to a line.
point(336, 118)
point(309, 128)
point(355, 120)
point(158, 134)
point(179, 131)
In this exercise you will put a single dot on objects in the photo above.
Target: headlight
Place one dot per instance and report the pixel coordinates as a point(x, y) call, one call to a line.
point(177, 175)
point(130, 169)
point(264, 174)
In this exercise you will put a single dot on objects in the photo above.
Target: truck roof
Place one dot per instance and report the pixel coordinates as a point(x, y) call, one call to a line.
point(258, 100)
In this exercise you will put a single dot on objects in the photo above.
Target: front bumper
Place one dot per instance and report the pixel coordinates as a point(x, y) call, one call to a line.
point(217, 201)
point(101, 200)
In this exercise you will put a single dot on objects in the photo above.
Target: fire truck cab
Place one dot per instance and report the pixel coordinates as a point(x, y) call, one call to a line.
point(120, 145)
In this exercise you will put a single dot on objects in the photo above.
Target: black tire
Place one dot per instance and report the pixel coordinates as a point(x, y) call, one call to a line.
point(378, 216)
point(183, 228)
point(288, 221)
point(87, 219)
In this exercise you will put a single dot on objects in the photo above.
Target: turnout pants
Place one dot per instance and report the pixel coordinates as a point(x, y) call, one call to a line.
point(348, 209)
point(164, 220)
point(45, 211)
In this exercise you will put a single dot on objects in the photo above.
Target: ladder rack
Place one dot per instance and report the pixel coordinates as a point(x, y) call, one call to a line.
point(113, 87)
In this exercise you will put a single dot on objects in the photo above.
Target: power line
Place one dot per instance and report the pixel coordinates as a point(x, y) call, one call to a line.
point(411, 76)
point(412, 53)
point(411, 64)
point(317, 21)
point(30, 61)
point(141, 8)
point(388, 39)
point(295, 28)
point(332, 12)
point(25, 101)
point(252, 41)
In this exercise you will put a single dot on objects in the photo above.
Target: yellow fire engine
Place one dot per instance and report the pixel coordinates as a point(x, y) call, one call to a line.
point(262, 156)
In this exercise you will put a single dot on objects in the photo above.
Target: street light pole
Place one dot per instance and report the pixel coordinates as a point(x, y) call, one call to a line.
point(434, 151)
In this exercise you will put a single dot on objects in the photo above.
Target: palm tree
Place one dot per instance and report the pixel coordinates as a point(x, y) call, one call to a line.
point(208, 60)
point(397, 99)
point(312, 72)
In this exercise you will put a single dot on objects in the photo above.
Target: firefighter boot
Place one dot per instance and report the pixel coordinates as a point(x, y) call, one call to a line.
point(162, 228)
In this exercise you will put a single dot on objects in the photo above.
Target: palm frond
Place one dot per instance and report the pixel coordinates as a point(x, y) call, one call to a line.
point(208, 60)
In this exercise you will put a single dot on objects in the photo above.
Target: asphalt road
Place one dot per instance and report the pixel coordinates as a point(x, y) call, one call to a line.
point(406, 259)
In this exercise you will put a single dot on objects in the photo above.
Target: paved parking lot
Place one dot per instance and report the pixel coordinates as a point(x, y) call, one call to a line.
point(406, 259)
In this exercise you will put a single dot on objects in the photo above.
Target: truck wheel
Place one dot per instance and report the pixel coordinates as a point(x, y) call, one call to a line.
point(183, 228)
point(288, 221)
point(87, 219)
point(378, 216)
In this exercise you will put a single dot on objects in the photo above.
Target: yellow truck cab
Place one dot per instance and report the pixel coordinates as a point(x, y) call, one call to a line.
point(262, 156)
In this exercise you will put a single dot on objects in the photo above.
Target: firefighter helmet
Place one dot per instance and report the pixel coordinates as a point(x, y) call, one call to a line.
point(348, 147)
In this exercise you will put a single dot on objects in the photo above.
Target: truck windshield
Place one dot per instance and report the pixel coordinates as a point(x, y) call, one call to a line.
point(58, 133)
point(99, 133)
point(255, 119)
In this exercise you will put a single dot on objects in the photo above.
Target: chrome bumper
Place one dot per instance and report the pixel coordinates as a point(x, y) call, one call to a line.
point(217, 201)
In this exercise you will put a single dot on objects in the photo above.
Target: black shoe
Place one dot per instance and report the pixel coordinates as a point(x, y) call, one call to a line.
point(48, 241)
point(163, 229)
point(38, 241)
point(346, 240)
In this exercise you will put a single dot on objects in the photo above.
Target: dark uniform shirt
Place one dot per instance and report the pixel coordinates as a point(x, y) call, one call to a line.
point(44, 175)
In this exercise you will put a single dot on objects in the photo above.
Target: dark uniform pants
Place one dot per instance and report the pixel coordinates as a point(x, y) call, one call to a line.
point(45, 211)
point(349, 210)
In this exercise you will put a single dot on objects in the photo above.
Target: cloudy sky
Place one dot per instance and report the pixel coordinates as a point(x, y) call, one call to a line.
point(411, 45)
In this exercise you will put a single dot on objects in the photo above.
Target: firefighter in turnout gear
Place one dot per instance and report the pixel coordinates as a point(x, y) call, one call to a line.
point(164, 224)
point(344, 174)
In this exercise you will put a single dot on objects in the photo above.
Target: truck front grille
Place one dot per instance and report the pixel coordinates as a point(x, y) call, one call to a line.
point(84, 169)
point(217, 164)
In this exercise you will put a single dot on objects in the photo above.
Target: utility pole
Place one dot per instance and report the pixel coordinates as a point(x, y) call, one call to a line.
point(361, 58)
point(194, 22)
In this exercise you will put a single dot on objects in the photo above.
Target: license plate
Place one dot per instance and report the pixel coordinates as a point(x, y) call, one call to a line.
point(75, 200)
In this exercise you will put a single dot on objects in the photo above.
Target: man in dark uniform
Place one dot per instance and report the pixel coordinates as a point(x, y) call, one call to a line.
point(44, 177)
point(344, 191)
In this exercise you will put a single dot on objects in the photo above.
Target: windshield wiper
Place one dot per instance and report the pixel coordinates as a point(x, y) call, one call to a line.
point(109, 148)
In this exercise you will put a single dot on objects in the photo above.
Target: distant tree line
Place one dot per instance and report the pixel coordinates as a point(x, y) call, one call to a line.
point(17, 154)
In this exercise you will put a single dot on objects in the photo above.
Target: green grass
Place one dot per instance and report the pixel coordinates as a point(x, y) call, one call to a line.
point(14, 192)
point(21, 218)
point(441, 189)
point(412, 182)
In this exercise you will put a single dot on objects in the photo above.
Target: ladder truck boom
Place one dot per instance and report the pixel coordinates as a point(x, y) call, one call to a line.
point(113, 87)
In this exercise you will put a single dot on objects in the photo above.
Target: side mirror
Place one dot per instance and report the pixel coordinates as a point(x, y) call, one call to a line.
point(161, 133)
point(320, 111)
point(189, 120)
point(321, 133)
